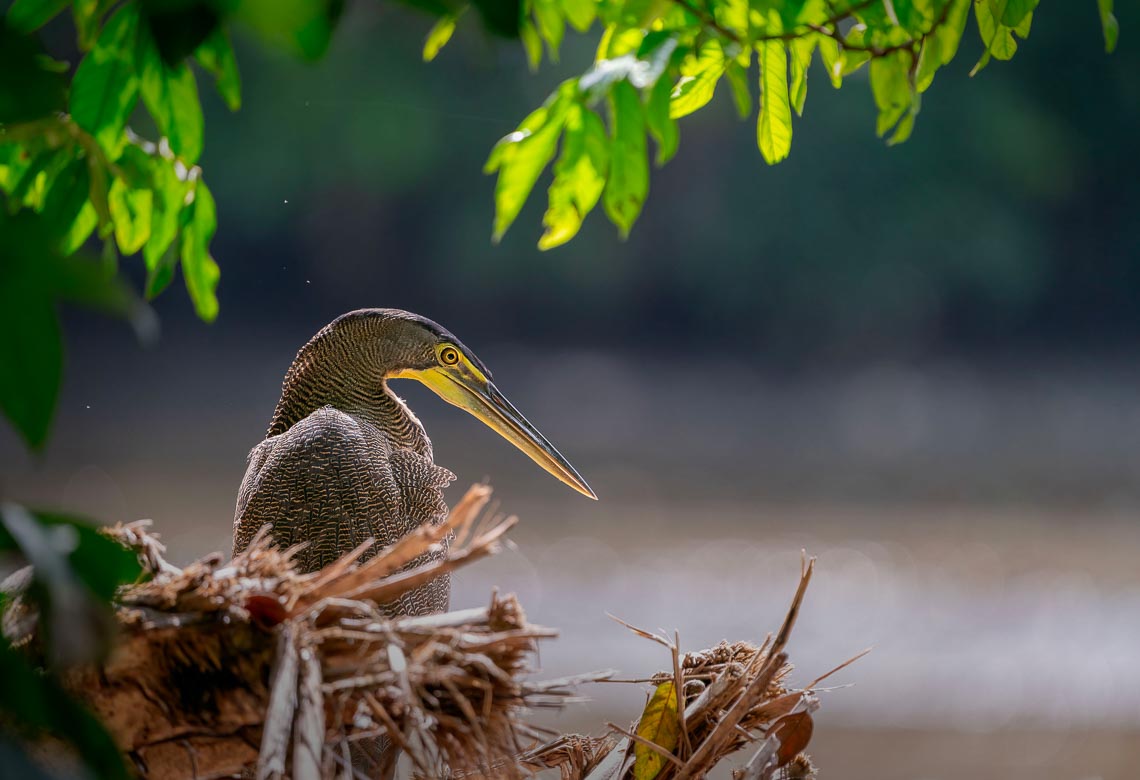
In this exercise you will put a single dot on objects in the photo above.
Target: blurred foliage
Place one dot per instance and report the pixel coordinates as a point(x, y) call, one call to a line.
point(75, 572)
point(661, 60)
point(68, 156)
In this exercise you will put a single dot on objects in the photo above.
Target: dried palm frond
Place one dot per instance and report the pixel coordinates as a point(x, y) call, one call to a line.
point(223, 667)
point(733, 696)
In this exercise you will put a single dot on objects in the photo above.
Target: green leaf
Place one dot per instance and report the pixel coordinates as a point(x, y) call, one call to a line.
point(199, 223)
point(80, 229)
point(25, 16)
point(628, 183)
point(774, 128)
point(32, 351)
point(216, 55)
point(741, 90)
point(579, 176)
point(551, 25)
point(532, 44)
point(28, 90)
point(1109, 24)
point(949, 34)
point(88, 15)
point(99, 562)
point(131, 212)
point(580, 13)
point(40, 704)
point(929, 60)
point(105, 88)
point(662, 126)
point(68, 193)
point(699, 76)
point(521, 156)
point(304, 27)
point(833, 60)
point(438, 36)
point(169, 195)
point(617, 41)
point(34, 276)
point(1016, 11)
point(850, 57)
point(891, 87)
point(998, 38)
point(801, 50)
point(171, 96)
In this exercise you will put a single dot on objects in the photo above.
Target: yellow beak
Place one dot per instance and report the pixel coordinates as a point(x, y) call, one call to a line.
point(459, 385)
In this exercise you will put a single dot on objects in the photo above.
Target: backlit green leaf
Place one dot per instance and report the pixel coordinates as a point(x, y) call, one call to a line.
point(579, 176)
point(949, 34)
point(438, 36)
point(171, 95)
point(65, 198)
point(997, 37)
point(1109, 24)
point(741, 89)
point(169, 193)
point(890, 85)
point(105, 88)
point(580, 13)
point(532, 44)
point(833, 61)
point(800, 50)
point(551, 25)
point(662, 126)
point(80, 229)
point(628, 182)
point(131, 212)
point(699, 76)
point(199, 223)
point(774, 127)
point(521, 156)
point(216, 55)
point(1016, 11)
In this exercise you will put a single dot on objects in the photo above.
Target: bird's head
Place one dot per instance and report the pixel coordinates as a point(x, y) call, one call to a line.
point(419, 349)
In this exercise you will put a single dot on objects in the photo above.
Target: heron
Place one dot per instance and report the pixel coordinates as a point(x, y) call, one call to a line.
point(345, 460)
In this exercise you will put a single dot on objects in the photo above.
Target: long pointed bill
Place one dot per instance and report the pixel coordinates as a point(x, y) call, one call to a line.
point(482, 399)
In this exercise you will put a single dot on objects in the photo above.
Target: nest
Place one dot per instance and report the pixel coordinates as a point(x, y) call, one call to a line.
point(222, 668)
point(252, 668)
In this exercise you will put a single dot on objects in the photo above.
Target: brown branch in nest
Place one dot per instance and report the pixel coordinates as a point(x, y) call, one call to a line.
point(223, 668)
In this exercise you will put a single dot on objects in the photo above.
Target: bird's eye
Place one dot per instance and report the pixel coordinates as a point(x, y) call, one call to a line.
point(449, 356)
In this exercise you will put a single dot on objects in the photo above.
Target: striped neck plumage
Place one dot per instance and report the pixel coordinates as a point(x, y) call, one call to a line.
point(335, 370)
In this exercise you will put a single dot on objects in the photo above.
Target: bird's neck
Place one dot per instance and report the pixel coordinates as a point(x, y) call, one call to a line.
point(352, 385)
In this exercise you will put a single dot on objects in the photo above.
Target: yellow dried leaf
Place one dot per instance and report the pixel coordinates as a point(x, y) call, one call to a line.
point(661, 725)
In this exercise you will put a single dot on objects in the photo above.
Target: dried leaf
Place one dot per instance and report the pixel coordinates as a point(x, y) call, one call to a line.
point(794, 732)
point(265, 610)
point(660, 725)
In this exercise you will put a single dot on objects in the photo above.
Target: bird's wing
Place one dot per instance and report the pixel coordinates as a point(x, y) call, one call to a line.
point(327, 481)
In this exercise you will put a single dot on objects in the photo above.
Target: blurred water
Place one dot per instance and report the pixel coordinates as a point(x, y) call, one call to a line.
point(975, 524)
